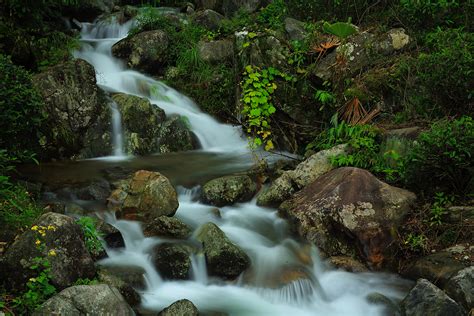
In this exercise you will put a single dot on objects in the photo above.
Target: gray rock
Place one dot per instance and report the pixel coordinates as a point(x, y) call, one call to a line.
point(208, 18)
point(146, 196)
point(165, 226)
point(133, 276)
point(172, 260)
point(426, 299)
point(349, 202)
point(127, 291)
point(73, 102)
point(228, 190)
point(145, 51)
point(390, 308)
point(293, 180)
point(295, 29)
point(180, 308)
point(93, 300)
point(175, 135)
point(218, 51)
point(461, 287)
point(394, 40)
point(223, 258)
point(70, 262)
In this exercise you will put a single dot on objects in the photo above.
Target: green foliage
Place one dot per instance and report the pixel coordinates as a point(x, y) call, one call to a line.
point(297, 57)
point(446, 70)
point(442, 158)
point(86, 281)
point(438, 209)
point(339, 29)
point(273, 15)
point(416, 242)
point(258, 86)
point(21, 110)
point(91, 235)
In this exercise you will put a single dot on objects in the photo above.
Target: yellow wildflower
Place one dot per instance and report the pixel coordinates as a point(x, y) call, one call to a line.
point(38, 242)
point(32, 280)
point(43, 234)
point(50, 227)
point(52, 253)
point(34, 227)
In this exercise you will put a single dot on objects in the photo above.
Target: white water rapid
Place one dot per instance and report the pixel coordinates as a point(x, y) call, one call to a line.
point(285, 278)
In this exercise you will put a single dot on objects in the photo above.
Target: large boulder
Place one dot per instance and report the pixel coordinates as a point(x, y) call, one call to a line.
point(295, 29)
point(223, 258)
point(305, 173)
point(426, 299)
point(168, 227)
point(219, 51)
point(146, 196)
point(208, 19)
point(63, 245)
point(175, 135)
point(347, 206)
point(73, 102)
point(181, 307)
point(93, 300)
point(172, 260)
point(228, 190)
point(461, 287)
point(145, 51)
point(128, 292)
point(141, 123)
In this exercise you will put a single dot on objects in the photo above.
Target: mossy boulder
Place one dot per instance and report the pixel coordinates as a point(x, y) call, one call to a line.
point(229, 190)
point(181, 307)
point(219, 51)
point(73, 102)
point(172, 260)
point(223, 258)
point(175, 135)
point(64, 237)
point(145, 197)
point(145, 51)
point(142, 122)
point(168, 227)
point(208, 19)
point(128, 292)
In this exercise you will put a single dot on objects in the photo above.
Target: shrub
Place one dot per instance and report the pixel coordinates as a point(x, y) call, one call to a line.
point(446, 70)
point(442, 158)
point(21, 110)
point(91, 235)
point(272, 15)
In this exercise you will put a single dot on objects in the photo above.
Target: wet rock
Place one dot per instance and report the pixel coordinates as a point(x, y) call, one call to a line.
point(219, 51)
point(426, 299)
point(208, 19)
point(146, 196)
point(165, 226)
point(141, 123)
point(175, 135)
point(91, 300)
point(128, 292)
point(130, 275)
point(461, 287)
point(172, 260)
point(408, 132)
point(96, 191)
point(98, 137)
point(459, 214)
point(181, 307)
point(73, 102)
point(64, 236)
point(439, 267)
point(228, 190)
point(293, 180)
point(390, 308)
point(295, 29)
point(111, 235)
point(223, 258)
point(349, 208)
point(347, 263)
point(145, 51)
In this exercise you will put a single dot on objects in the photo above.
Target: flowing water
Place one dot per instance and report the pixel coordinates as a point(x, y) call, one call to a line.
point(285, 278)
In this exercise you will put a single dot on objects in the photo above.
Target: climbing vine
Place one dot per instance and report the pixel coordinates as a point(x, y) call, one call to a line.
point(258, 86)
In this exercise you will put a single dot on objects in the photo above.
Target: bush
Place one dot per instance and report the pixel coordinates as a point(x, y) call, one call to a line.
point(446, 70)
point(21, 110)
point(442, 158)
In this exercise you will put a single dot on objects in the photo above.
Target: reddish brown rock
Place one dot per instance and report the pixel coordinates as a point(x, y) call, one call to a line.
point(349, 210)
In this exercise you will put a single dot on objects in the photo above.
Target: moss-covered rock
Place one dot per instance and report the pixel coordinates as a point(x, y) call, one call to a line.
point(229, 190)
point(145, 51)
point(172, 260)
point(169, 227)
point(181, 307)
point(223, 258)
point(175, 135)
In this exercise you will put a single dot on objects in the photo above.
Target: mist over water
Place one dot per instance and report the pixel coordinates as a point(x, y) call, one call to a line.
point(269, 287)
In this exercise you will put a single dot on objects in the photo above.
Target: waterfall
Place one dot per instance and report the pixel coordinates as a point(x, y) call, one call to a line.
point(117, 132)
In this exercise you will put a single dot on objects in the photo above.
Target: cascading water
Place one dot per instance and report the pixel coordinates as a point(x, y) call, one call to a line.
point(117, 131)
point(263, 290)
